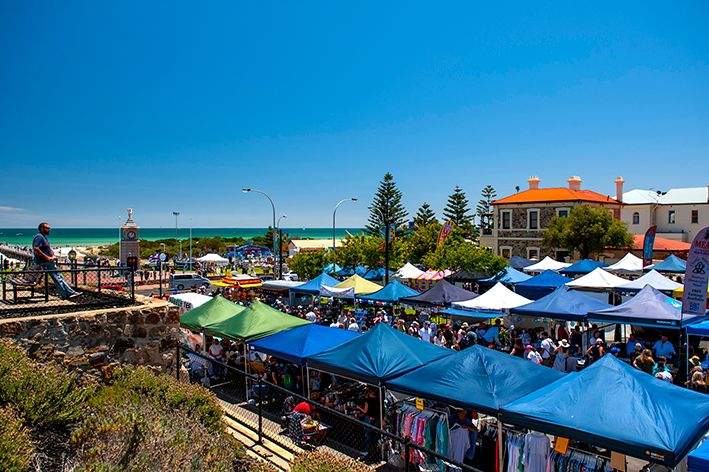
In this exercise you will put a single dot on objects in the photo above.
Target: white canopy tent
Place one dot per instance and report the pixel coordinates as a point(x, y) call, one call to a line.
point(64, 252)
point(654, 279)
point(598, 279)
point(215, 258)
point(409, 271)
point(546, 264)
point(497, 298)
point(630, 263)
point(334, 292)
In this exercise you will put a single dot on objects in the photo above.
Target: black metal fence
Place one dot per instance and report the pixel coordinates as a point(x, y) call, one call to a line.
point(265, 408)
point(36, 291)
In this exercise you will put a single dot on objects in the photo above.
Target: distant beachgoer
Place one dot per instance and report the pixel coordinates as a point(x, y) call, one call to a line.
point(45, 258)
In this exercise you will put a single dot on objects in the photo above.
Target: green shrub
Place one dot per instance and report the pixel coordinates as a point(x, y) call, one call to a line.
point(320, 460)
point(16, 447)
point(43, 395)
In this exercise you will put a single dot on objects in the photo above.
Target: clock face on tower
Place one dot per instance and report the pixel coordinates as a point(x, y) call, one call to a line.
point(130, 235)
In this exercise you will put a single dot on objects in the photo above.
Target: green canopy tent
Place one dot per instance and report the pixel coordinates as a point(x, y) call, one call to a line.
point(255, 322)
point(215, 310)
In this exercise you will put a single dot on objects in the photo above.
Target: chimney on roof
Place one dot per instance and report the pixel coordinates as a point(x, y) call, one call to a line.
point(619, 188)
point(574, 182)
point(534, 182)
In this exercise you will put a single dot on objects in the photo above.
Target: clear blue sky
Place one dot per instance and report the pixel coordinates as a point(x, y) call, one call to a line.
point(177, 106)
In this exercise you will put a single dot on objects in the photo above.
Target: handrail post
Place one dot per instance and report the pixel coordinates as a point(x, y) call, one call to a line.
point(407, 461)
point(98, 275)
point(260, 410)
point(46, 286)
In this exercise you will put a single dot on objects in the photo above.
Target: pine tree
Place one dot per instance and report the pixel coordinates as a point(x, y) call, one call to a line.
point(386, 207)
point(457, 209)
point(484, 208)
point(425, 216)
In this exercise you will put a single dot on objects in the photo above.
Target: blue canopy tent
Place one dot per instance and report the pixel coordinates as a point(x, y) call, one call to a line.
point(443, 293)
point(700, 328)
point(562, 304)
point(541, 285)
point(391, 293)
point(377, 274)
point(478, 378)
point(378, 355)
point(349, 271)
point(649, 307)
point(507, 276)
point(468, 314)
point(698, 459)
point(612, 405)
point(519, 263)
point(332, 268)
point(298, 343)
point(583, 267)
point(312, 286)
point(672, 264)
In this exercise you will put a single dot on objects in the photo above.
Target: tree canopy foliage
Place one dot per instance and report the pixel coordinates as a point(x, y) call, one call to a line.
point(386, 207)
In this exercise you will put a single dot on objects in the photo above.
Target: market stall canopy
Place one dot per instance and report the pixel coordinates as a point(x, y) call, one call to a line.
point(361, 285)
point(255, 322)
point(312, 286)
point(391, 293)
point(649, 307)
point(541, 285)
point(498, 298)
point(598, 279)
point(583, 267)
point(189, 299)
point(377, 274)
point(334, 292)
point(466, 276)
point(434, 274)
point(409, 271)
point(214, 311)
point(64, 252)
point(612, 405)
point(679, 293)
point(443, 293)
point(630, 263)
point(519, 263)
point(700, 328)
point(507, 276)
point(562, 304)
point(469, 315)
point(349, 271)
point(477, 378)
point(332, 268)
point(294, 345)
point(653, 279)
point(672, 264)
point(380, 354)
point(546, 264)
point(698, 459)
point(216, 258)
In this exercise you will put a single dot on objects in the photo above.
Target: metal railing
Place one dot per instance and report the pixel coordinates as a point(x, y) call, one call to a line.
point(265, 408)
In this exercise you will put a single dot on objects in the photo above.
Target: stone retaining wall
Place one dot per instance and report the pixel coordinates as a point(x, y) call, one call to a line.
point(96, 342)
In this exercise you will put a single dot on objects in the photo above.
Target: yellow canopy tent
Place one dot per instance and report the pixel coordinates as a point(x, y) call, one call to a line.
point(361, 285)
point(679, 293)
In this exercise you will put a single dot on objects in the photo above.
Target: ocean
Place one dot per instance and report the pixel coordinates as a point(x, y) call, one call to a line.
point(103, 236)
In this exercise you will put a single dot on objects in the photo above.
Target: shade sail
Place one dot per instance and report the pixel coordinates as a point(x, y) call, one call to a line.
point(379, 354)
point(313, 286)
point(546, 264)
point(255, 322)
point(443, 293)
point(331, 268)
point(598, 279)
point(672, 265)
point(649, 307)
point(213, 311)
point(653, 279)
point(409, 271)
point(562, 304)
point(466, 276)
point(391, 293)
point(216, 258)
point(519, 263)
point(498, 298)
point(508, 276)
point(478, 378)
point(541, 285)
point(628, 264)
point(612, 405)
point(361, 286)
point(583, 267)
point(294, 345)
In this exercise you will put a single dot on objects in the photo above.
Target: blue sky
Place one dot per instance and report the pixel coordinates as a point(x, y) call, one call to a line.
point(177, 106)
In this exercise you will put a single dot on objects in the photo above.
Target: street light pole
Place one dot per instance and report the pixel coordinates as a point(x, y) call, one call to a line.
point(177, 213)
point(273, 207)
point(190, 244)
point(334, 213)
point(280, 245)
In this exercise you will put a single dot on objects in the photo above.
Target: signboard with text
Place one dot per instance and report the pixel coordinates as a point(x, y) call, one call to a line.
point(696, 277)
point(648, 243)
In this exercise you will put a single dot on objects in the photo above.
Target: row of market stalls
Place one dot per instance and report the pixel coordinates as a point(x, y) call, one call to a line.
point(609, 405)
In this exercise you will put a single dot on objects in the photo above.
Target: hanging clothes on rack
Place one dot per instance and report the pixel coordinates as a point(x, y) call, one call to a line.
point(574, 461)
point(459, 443)
point(515, 444)
point(536, 452)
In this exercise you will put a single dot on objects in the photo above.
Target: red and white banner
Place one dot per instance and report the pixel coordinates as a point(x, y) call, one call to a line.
point(696, 278)
point(445, 232)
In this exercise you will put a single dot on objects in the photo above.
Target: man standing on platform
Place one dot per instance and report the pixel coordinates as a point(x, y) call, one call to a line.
point(45, 258)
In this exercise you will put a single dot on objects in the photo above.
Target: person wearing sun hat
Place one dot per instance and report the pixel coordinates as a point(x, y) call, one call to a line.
point(564, 361)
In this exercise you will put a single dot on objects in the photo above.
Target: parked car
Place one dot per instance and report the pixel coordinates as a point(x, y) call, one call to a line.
point(292, 276)
point(187, 281)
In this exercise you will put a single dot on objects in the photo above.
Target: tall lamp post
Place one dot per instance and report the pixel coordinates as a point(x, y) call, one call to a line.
point(334, 213)
point(386, 246)
point(273, 207)
point(190, 244)
point(177, 213)
point(280, 245)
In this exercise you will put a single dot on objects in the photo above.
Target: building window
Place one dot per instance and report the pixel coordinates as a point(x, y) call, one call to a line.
point(695, 216)
point(636, 218)
point(671, 217)
point(533, 253)
point(506, 217)
point(532, 219)
point(506, 252)
point(563, 212)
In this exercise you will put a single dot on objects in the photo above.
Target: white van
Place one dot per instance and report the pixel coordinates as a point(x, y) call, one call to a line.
point(187, 281)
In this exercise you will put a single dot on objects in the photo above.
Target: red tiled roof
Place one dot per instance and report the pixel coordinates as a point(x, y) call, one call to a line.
point(556, 194)
point(661, 244)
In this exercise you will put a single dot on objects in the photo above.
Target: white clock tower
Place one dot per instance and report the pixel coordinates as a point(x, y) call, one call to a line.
point(130, 244)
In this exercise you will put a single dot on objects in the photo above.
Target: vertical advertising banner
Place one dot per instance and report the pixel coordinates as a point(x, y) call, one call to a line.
point(648, 243)
point(445, 232)
point(696, 277)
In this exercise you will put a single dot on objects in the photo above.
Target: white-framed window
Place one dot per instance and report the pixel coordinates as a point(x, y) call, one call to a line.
point(506, 251)
point(533, 218)
point(563, 212)
point(671, 218)
point(636, 218)
point(533, 253)
point(506, 219)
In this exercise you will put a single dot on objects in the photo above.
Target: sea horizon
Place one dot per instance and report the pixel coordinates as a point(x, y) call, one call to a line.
point(61, 237)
